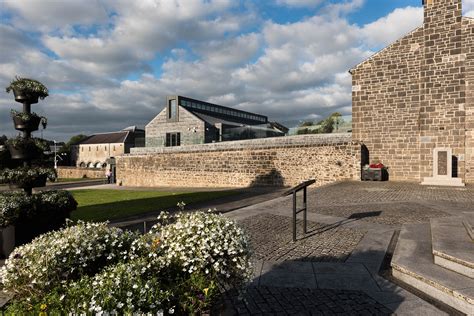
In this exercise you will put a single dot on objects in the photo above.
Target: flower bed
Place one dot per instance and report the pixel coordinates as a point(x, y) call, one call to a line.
point(36, 214)
point(49, 212)
point(24, 177)
point(11, 206)
point(180, 266)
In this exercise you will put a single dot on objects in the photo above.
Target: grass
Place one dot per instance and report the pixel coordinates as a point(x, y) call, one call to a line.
point(101, 205)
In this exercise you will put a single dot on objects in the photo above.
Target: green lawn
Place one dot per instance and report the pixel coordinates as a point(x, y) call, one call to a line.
point(101, 205)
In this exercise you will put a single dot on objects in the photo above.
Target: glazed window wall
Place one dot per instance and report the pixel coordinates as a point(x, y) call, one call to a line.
point(249, 132)
point(172, 109)
point(215, 109)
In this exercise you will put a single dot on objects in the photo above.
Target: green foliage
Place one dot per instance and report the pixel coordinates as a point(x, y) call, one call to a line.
point(26, 117)
point(307, 123)
point(26, 175)
point(16, 206)
point(327, 125)
point(12, 204)
point(55, 201)
point(29, 87)
point(180, 267)
point(37, 145)
point(66, 148)
point(61, 256)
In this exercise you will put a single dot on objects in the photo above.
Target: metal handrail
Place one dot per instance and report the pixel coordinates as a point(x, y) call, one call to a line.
point(302, 186)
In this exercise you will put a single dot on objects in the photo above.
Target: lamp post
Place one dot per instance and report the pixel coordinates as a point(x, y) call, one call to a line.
point(55, 156)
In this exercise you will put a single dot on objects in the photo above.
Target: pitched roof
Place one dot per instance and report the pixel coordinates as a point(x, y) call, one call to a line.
point(105, 138)
point(212, 119)
point(385, 49)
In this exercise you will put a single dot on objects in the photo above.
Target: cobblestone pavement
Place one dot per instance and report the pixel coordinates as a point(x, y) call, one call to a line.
point(334, 270)
point(357, 192)
point(271, 237)
point(389, 203)
point(383, 213)
point(294, 301)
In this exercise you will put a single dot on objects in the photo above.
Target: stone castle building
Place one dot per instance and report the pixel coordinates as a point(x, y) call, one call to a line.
point(186, 121)
point(413, 102)
point(95, 150)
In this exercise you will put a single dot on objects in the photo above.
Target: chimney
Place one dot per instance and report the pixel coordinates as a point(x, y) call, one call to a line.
point(446, 11)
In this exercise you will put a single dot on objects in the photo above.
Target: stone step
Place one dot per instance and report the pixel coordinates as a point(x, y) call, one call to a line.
point(412, 263)
point(451, 245)
point(468, 222)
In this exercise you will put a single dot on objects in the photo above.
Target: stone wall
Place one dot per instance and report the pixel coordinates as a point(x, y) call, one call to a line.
point(86, 153)
point(279, 161)
point(191, 128)
point(73, 172)
point(412, 96)
point(385, 106)
point(468, 49)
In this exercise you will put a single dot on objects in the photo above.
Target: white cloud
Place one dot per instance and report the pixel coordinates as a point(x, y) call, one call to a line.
point(52, 15)
point(468, 8)
point(144, 29)
point(393, 26)
point(300, 3)
point(103, 80)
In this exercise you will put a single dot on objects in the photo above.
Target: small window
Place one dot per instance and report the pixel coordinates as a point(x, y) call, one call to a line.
point(105, 148)
point(173, 139)
point(172, 109)
point(114, 147)
point(89, 148)
point(82, 148)
point(96, 148)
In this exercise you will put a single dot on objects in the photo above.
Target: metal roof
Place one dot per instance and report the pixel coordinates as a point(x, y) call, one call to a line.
point(106, 138)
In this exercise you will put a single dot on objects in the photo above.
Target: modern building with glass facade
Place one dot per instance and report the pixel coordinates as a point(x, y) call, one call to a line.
point(186, 121)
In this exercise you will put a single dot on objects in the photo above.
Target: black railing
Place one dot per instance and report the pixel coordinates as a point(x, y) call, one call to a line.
point(293, 191)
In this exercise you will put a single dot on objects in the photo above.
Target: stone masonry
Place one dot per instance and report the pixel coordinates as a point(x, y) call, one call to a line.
point(74, 172)
point(158, 127)
point(415, 96)
point(279, 161)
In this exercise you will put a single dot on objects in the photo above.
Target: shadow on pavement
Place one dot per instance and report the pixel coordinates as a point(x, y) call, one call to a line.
point(314, 287)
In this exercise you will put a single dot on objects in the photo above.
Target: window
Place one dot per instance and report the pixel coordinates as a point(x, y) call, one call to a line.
point(114, 147)
point(82, 148)
point(96, 148)
point(172, 109)
point(173, 139)
point(105, 148)
point(89, 148)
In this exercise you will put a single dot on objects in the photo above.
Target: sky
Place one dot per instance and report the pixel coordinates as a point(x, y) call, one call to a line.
point(110, 64)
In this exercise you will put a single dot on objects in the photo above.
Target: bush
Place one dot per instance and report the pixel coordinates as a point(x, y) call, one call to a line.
point(180, 266)
point(55, 201)
point(27, 176)
point(55, 258)
point(29, 87)
point(205, 242)
point(12, 204)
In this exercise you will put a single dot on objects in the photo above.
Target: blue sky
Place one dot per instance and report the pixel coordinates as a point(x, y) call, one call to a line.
point(109, 64)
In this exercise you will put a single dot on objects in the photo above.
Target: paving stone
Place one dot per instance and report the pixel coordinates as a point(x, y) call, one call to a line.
point(307, 302)
point(271, 237)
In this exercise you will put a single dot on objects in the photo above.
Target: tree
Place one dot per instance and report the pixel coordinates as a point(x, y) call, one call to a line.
point(73, 140)
point(327, 125)
point(337, 119)
point(307, 123)
point(65, 150)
